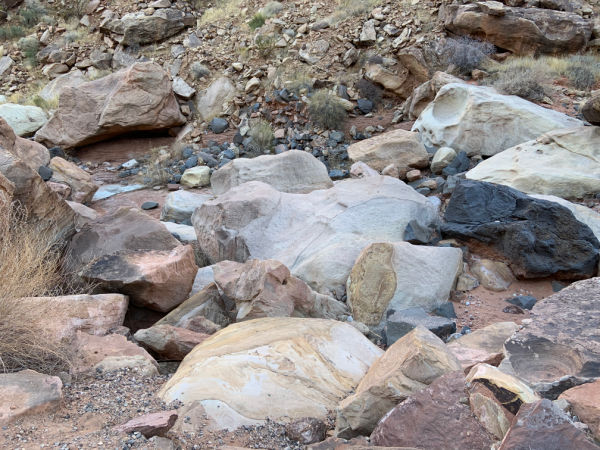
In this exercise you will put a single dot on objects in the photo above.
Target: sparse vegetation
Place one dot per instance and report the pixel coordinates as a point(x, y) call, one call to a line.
point(326, 110)
point(370, 91)
point(257, 21)
point(521, 81)
point(158, 169)
point(223, 9)
point(8, 32)
point(300, 83)
point(31, 14)
point(271, 9)
point(466, 53)
point(261, 133)
point(69, 9)
point(349, 8)
point(265, 45)
point(30, 47)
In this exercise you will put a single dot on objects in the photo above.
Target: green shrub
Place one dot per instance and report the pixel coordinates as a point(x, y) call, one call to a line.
point(30, 47)
point(8, 32)
point(326, 110)
point(31, 14)
point(265, 45)
point(466, 53)
point(262, 136)
point(271, 9)
point(257, 21)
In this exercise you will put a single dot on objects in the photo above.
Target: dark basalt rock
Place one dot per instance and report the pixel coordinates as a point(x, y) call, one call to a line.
point(539, 238)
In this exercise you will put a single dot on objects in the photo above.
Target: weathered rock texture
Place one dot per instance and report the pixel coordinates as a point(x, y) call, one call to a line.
point(139, 28)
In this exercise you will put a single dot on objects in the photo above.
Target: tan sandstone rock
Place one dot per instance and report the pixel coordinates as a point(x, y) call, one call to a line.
point(81, 183)
point(169, 342)
point(585, 404)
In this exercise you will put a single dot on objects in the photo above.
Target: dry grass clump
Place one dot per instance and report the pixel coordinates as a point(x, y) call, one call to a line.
point(466, 53)
point(262, 136)
point(30, 265)
point(351, 8)
point(521, 81)
point(223, 9)
point(157, 171)
point(326, 110)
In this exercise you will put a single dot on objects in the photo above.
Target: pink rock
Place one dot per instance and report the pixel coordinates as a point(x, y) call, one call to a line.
point(155, 424)
point(168, 341)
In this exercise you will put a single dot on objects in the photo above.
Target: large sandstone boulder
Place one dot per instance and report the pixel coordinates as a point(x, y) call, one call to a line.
point(268, 289)
point(434, 418)
point(126, 229)
point(139, 28)
point(424, 94)
point(318, 235)
point(180, 205)
point(154, 279)
point(560, 348)
point(408, 366)
point(565, 163)
point(381, 282)
point(399, 147)
point(401, 81)
point(277, 368)
point(81, 183)
point(28, 392)
point(537, 237)
point(500, 121)
point(523, 31)
point(44, 207)
point(215, 100)
point(51, 92)
point(133, 99)
point(29, 152)
point(293, 171)
point(23, 119)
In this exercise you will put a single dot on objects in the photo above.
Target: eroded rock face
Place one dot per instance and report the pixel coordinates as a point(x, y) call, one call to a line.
point(399, 147)
point(268, 289)
point(318, 235)
point(382, 282)
point(292, 171)
point(436, 417)
point(501, 121)
point(523, 31)
point(565, 163)
point(28, 392)
point(155, 279)
point(213, 101)
point(139, 28)
point(585, 404)
point(542, 425)
point(24, 119)
point(539, 238)
point(133, 99)
point(80, 182)
point(425, 93)
point(169, 342)
point(560, 348)
point(307, 365)
point(408, 366)
point(591, 110)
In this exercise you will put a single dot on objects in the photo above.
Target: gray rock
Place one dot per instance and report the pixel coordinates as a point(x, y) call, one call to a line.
point(523, 301)
point(182, 89)
point(180, 205)
point(108, 190)
point(403, 322)
point(139, 29)
point(218, 125)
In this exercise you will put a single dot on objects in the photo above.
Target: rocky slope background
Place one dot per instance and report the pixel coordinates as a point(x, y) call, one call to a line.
point(323, 225)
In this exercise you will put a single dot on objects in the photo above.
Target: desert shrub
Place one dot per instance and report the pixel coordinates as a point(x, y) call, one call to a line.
point(300, 82)
point(369, 91)
point(158, 169)
point(69, 9)
point(349, 8)
point(583, 71)
point(30, 46)
point(326, 110)
point(265, 44)
point(71, 36)
point(261, 133)
point(466, 53)
point(271, 9)
point(257, 21)
point(31, 14)
point(29, 266)
point(522, 81)
point(8, 32)
point(223, 9)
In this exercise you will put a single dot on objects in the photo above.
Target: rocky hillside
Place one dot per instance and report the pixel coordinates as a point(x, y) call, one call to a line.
point(299, 225)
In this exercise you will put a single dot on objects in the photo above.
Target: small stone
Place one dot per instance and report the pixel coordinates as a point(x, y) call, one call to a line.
point(45, 173)
point(523, 301)
point(413, 175)
point(364, 105)
point(218, 125)
point(196, 177)
point(149, 205)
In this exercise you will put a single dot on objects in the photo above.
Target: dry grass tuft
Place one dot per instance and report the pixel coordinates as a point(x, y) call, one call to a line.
point(222, 10)
point(326, 110)
point(157, 171)
point(262, 136)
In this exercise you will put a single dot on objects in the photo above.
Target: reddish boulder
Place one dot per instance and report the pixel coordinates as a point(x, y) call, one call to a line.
point(155, 424)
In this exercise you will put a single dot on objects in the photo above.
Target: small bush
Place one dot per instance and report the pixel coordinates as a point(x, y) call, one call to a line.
point(299, 83)
point(8, 32)
point(257, 21)
point(521, 81)
point(265, 45)
point(349, 8)
point(199, 70)
point(261, 133)
point(30, 47)
point(370, 91)
point(69, 9)
point(223, 9)
point(326, 110)
point(271, 9)
point(582, 77)
point(158, 169)
point(466, 53)
point(31, 14)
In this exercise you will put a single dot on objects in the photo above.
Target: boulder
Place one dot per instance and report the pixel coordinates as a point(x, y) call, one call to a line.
point(307, 430)
point(28, 392)
point(23, 119)
point(401, 81)
point(204, 277)
point(83, 214)
point(591, 110)
point(560, 348)
point(169, 342)
point(485, 345)
point(523, 31)
point(501, 121)
point(407, 367)
point(436, 417)
point(61, 318)
point(139, 28)
point(424, 94)
point(124, 229)
point(155, 279)
point(381, 282)
point(399, 147)
point(52, 90)
point(198, 176)
point(183, 233)
point(45, 208)
point(81, 183)
point(133, 99)
point(538, 238)
point(180, 205)
point(317, 235)
point(214, 100)
point(584, 402)
point(489, 411)
point(402, 322)
point(542, 425)
point(234, 376)
point(293, 171)
point(268, 289)
point(441, 159)
point(564, 163)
